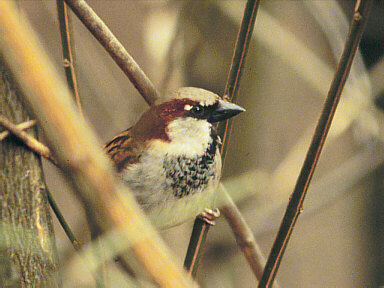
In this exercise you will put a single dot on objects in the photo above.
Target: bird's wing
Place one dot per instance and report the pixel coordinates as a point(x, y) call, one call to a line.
point(123, 150)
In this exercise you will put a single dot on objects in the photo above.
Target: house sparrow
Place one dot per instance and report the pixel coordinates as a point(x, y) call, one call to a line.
point(170, 158)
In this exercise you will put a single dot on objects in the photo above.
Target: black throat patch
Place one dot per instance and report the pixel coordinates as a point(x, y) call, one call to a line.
point(189, 175)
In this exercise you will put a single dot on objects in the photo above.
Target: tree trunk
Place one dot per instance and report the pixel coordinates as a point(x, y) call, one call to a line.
point(28, 255)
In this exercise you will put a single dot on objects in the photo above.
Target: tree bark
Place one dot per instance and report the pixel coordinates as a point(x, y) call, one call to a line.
point(28, 255)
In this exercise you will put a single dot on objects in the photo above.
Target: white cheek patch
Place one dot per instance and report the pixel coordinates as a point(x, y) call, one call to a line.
point(187, 107)
point(189, 136)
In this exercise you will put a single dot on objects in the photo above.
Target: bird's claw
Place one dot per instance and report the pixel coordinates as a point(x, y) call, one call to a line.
point(209, 216)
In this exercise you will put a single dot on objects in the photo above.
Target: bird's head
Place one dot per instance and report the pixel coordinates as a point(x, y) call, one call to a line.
point(199, 104)
point(186, 116)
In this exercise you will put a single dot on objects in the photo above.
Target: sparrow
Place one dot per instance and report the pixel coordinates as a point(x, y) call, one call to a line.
point(170, 158)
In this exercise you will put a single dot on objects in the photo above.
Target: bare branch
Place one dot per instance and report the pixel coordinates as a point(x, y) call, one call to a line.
point(68, 61)
point(200, 228)
point(33, 144)
point(244, 236)
point(297, 199)
point(122, 58)
point(22, 126)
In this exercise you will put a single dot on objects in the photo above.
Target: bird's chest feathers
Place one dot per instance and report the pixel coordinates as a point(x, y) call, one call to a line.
point(188, 175)
point(190, 159)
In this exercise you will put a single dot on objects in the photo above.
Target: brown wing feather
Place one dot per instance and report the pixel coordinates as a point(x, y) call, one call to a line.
point(123, 150)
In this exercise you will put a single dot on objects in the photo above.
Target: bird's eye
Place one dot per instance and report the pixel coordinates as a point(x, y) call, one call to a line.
point(198, 110)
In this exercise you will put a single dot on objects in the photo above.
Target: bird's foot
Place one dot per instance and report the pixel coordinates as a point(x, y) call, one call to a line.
point(209, 216)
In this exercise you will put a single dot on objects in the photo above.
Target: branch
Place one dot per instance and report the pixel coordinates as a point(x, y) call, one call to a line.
point(22, 126)
point(33, 144)
point(244, 236)
point(63, 222)
point(200, 228)
point(68, 62)
point(78, 152)
point(122, 58)
point(65, 36)
point(238, 62)
point(295, 205)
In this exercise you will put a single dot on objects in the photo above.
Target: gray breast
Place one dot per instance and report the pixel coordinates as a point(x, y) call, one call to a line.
point(187, 176)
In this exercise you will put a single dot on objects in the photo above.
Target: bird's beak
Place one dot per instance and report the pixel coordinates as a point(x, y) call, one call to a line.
point(225, 110)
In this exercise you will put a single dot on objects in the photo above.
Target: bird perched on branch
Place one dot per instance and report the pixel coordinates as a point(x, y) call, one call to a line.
point(170, 158)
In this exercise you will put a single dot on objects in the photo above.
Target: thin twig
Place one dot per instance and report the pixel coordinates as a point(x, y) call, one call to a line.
point(74, 145)
point(244, 236)
point(69, 68)
point(65, 35)
point(122, 58)
point(33, 144)
point(295, 205)
point(200, 228)
point(63, 222)
point(66, 40)
point(238, 61)
point(22, 126)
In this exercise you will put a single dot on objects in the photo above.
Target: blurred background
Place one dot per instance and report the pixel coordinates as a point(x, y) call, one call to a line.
point(338, 240)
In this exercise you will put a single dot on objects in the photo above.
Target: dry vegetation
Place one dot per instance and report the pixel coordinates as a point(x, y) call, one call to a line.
point(292, 57)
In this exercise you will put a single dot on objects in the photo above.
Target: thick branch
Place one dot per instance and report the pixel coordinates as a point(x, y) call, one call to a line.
point(28, 254)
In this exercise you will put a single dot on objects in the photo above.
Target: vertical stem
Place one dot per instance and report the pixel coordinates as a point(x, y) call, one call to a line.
point(295, 205)
point(65, 35)
point(238, 62)
point(201, 228)
point(198, 237)
point(68, 61)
